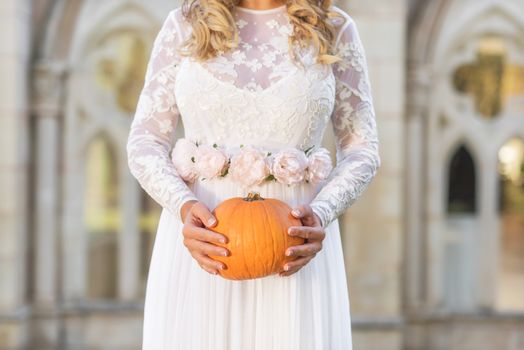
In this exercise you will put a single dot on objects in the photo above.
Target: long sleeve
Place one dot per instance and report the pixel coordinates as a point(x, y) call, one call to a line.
point(354, 125)
point(154, 123)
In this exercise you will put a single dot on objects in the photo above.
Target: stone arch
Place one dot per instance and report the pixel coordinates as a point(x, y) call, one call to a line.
point(431, 40)
point(70, 30)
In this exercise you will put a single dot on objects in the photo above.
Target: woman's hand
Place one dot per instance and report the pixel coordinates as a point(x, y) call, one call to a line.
point(312, 232)
point(198, 240)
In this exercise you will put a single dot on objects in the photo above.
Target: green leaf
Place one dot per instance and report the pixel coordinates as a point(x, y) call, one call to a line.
point(308, 149)
point(270, 177)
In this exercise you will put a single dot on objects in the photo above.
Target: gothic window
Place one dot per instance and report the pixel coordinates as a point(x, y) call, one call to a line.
point(491, 78)
point(461, 183)
point(102, 218)
point(119, 67)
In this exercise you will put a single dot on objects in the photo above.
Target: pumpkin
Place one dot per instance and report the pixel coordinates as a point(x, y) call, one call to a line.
point(257, 238)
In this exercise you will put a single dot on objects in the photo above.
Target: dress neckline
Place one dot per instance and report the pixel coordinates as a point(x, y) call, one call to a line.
point(265, 11)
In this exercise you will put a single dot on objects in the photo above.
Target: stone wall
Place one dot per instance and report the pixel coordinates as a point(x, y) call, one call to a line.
point(373, 226)
point(14, 169)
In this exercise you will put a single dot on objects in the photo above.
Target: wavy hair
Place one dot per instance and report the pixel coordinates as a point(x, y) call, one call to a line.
point(214, 29)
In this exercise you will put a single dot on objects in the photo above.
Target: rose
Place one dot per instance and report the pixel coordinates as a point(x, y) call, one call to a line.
point(319, 165)
point(289, 165)
point(182, 157)
point(249, 167)
point(210, 162)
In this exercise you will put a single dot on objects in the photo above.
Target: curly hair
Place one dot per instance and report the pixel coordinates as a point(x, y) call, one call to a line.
point(214, 30)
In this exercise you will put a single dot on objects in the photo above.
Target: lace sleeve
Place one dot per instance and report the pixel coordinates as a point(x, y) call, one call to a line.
point(354, 127)
point(154, 123)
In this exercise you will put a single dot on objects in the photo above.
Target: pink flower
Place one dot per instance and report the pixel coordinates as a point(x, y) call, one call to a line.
point(289, 166)
point(249, 167)
point(319, 165)
point(210, 162)
point(181, 156)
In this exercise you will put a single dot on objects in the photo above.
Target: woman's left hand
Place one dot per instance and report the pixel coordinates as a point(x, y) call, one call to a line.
point(311, 231)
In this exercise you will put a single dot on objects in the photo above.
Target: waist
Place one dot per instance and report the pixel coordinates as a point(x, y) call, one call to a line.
point(213, 191)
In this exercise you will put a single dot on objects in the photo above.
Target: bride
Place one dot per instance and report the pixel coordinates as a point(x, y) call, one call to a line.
point(255, 84)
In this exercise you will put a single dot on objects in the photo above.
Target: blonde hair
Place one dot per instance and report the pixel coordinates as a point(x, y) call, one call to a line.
point(214, 29)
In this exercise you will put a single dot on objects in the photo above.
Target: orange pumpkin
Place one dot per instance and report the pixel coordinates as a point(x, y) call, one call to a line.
point(256, 231)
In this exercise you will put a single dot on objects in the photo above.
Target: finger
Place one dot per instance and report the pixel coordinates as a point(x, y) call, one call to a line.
point(209, 270)
point(206, 248)
point(204, 235)
point(293, 266)
point(203, 213)
point(209, 264)
point(306, 215)
point(304, 249)
point(301, 211)
point(307, 232)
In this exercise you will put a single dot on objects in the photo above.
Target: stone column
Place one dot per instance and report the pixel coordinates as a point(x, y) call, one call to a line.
point(15, 29)
point(47, 102)
point(488, 263)
point(418, 85)
point(47, 110)
point(374, 226)
point(129, 238)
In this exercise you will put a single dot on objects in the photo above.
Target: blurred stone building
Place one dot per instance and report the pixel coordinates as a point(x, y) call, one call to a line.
point(434, 248)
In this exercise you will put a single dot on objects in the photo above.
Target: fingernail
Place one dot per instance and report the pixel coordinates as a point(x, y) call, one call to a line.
point(222, 240)
point(289, 253)
point(289, 231)
point(211, 221)
point(224, 253)
point(295, 212)
point(286, 268)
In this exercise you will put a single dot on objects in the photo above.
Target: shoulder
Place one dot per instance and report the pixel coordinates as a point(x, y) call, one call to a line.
point(343, 22)
point(342, 19)
point(176, 17)
point(177, 22)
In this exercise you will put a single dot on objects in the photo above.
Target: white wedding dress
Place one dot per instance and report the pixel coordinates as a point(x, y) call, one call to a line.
point(252, 95)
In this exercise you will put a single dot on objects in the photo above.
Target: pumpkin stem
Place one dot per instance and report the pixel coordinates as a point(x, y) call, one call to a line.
point(253, 196)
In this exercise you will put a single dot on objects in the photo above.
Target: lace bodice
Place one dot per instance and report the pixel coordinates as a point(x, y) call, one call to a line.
point(256, 95)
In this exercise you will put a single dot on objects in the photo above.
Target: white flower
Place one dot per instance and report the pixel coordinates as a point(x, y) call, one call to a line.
point(249, 167)
point(182, 157)
point(319, 165)
point(289, 165)
point(210, 162)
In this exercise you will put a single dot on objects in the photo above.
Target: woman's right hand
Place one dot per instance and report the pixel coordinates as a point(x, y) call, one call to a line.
point(200, 241)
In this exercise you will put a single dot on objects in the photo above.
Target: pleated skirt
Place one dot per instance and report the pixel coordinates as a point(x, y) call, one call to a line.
point(187, 308)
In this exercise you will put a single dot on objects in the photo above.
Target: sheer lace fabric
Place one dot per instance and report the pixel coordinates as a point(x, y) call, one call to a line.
point(256, 95)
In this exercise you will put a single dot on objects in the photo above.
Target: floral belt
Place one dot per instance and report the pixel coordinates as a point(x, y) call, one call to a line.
point(249, 165)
